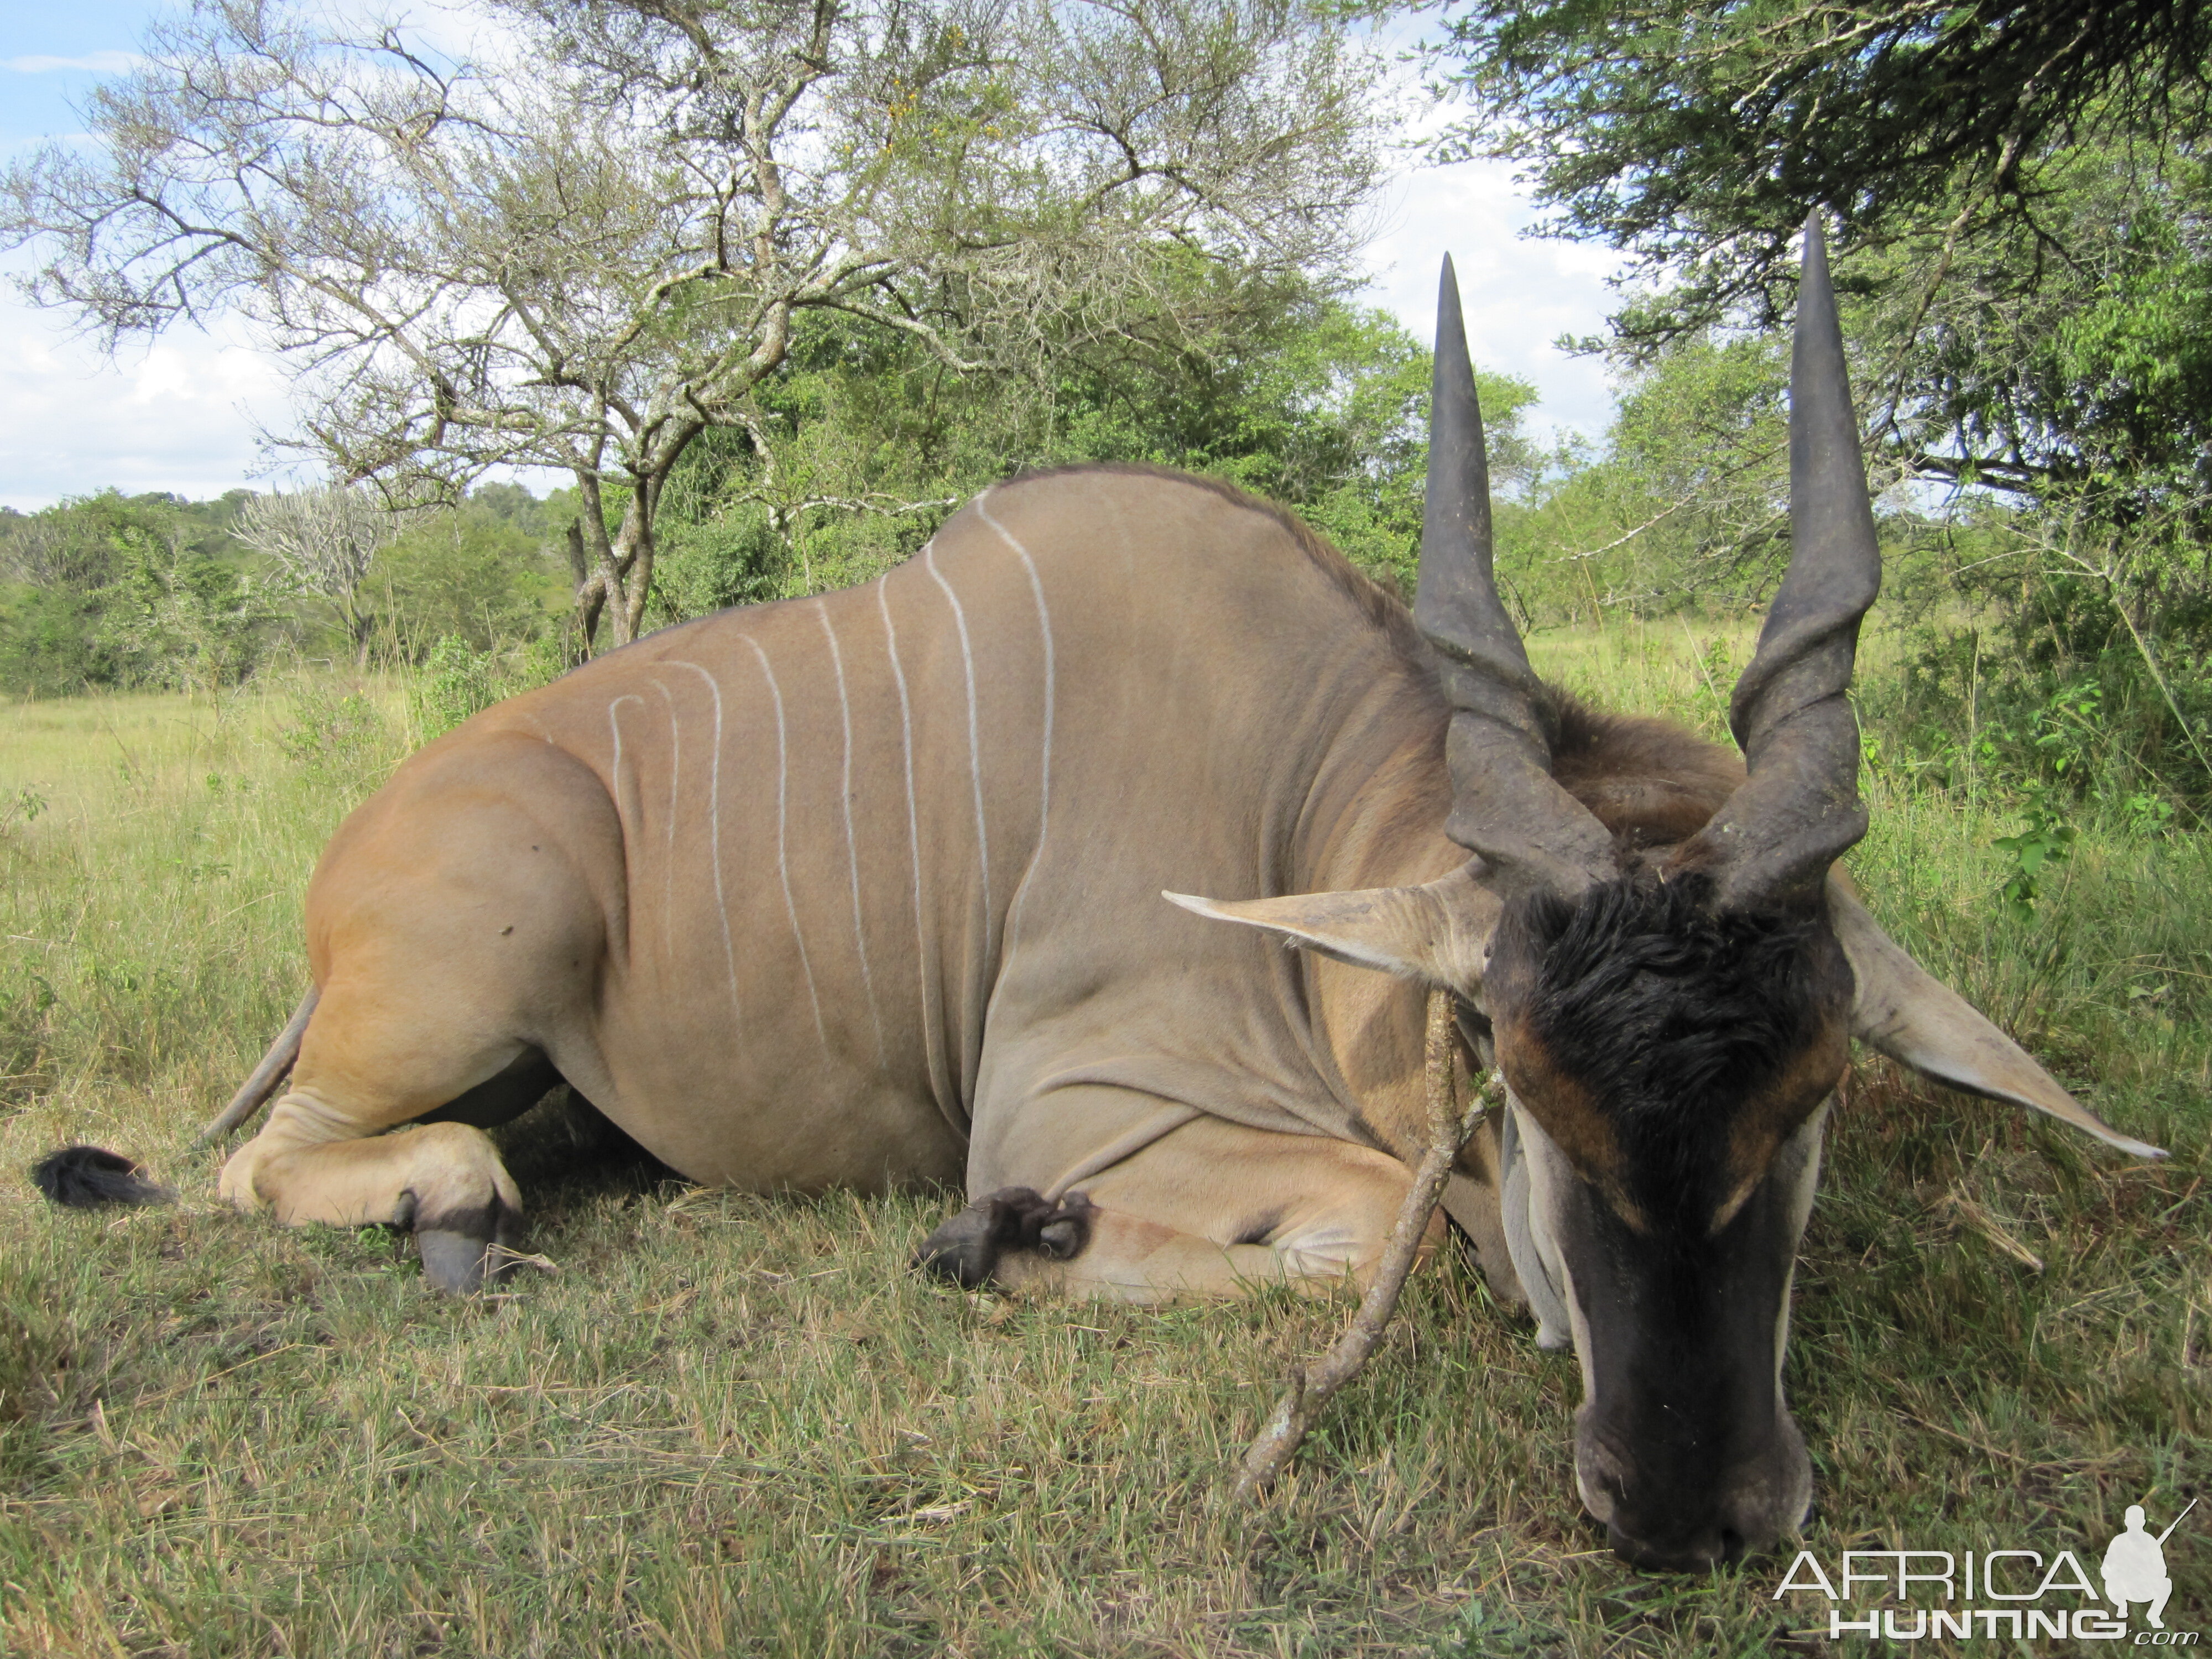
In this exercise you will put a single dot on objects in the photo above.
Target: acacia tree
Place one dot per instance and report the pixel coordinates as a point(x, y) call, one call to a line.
point(2026, 201)
point(1695, 135)
point(326, 539)
point(586, 242)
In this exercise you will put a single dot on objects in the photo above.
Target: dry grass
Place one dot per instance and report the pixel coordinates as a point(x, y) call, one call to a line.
point(730, 1425)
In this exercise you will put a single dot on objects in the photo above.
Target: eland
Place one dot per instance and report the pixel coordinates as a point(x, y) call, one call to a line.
point(867, 889)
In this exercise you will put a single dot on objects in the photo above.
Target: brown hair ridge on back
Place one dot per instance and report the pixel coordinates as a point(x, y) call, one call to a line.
point(1380, 606)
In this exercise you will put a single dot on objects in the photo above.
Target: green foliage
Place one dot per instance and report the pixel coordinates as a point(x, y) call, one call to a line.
point(456, 681)
point(114, 591)
point(477, 573)
point(50, 641)
point(710, 564)
point(865, 444)
point(1686, 503)
point(2045, 838)
point(1697, 133)
point(179, 616)
point(338, 739)
point(2025, 207)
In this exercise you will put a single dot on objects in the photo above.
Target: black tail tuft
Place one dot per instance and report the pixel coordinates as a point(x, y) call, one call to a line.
point(86, 1177)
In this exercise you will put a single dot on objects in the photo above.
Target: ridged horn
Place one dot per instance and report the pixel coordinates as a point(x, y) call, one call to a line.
point(1800, 810)
point(1506, 806)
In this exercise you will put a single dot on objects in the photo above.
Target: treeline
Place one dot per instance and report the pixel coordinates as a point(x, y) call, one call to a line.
point(110, 591)
point(852, 454)
point(2003, 663)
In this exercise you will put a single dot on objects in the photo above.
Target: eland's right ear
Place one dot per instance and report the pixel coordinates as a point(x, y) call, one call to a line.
point(1911, 1016)
point(1438, 933)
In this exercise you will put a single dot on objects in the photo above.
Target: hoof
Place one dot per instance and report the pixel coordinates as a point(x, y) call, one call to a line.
point(464, 1250)
point(966, 1249)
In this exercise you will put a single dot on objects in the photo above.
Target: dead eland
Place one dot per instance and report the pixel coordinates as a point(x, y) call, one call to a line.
point(867, 888)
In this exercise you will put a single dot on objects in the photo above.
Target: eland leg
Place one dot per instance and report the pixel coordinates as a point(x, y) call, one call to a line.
point(325, 1155)
point(1212, 1208)
point(456, 927)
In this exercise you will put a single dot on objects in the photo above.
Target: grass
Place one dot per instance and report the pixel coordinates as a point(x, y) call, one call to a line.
point(723, 1424)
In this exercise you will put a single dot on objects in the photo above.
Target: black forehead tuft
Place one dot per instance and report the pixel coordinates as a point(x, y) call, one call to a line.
point(1670, 1015)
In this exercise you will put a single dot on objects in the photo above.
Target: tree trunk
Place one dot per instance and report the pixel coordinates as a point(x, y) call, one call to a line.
point(614, 573)
point(591, 591)
point(635, 550)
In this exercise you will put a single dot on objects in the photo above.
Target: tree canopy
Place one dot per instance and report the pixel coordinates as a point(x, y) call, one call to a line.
point(1696, 135)
point(590, 238)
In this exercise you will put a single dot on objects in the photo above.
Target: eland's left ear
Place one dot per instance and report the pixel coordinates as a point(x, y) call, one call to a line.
point(1910, 1015)
point(1436, 933)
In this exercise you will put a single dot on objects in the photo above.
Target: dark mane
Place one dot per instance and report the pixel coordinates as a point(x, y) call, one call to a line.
point(1377, 603)
point(1682, 1013)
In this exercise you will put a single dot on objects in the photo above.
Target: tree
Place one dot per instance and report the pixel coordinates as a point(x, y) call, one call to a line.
point(2026, 201)
point(325, 539)
point(2021, 187)
point(589, 242)
point(1697, 134)
point(78, 595)
point(871, 443)
point(179, 616)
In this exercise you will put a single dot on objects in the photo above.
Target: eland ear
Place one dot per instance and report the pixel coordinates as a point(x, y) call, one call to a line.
point(1436, 933)
point(1910, 1015)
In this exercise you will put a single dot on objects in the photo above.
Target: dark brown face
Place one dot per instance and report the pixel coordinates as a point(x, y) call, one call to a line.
point(1668, 1067)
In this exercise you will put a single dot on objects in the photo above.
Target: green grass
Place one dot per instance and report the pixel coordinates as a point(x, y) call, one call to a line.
point(726, 1424)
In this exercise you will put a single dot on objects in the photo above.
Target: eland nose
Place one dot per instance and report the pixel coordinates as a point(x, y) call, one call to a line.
point(1673, 1514)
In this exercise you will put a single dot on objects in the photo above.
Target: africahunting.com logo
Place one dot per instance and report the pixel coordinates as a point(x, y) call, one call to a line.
point(1906, 1595)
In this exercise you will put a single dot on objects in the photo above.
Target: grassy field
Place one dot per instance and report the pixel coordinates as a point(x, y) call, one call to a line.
point(720, 1423)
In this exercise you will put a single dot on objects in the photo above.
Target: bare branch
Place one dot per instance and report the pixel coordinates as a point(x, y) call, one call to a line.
point(1309, 1388)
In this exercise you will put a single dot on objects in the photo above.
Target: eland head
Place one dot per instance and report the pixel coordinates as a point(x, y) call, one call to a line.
point(1671, 1009)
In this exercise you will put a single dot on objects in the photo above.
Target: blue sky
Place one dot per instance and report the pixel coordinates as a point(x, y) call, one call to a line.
point(183, 413)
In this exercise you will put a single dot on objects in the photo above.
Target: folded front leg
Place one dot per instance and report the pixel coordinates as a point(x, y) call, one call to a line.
point(1210, 1208)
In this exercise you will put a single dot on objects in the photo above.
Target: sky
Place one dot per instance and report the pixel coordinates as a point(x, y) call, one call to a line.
point(183, 414)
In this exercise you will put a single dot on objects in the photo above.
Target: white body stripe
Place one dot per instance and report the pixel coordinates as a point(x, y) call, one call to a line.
point(974, 747)
point(929, 1032)
point(1051, 683)
point(714, 846)
point(620, 795)
point(852, 850)
point(782, 823)
point(668, 863)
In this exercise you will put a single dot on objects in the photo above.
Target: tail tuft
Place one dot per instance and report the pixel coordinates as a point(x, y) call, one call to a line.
point(86, 1177)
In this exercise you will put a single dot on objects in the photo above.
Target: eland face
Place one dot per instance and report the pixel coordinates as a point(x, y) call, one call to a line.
point(1668, 1068)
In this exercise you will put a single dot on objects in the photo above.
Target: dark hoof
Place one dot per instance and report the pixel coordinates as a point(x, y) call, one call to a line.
point(966, 1249)
point(464, 1251)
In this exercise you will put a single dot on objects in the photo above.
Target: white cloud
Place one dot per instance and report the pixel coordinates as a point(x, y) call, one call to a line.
point(95, 63)
point(180, 415)
point(1519, 294)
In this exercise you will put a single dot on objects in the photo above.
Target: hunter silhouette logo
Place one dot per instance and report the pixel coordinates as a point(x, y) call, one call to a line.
point(2134, 1566)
